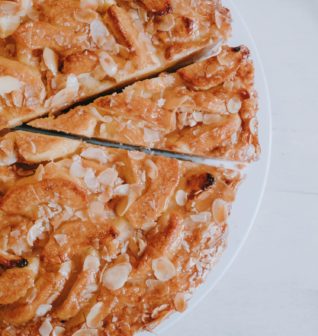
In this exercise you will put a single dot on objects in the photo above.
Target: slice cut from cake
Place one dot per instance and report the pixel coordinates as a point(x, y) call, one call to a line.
point(208, 108)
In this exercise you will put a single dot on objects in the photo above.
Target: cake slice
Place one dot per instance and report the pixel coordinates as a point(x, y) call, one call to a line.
point(208, 108)
point(55, 53)
point(99, 241)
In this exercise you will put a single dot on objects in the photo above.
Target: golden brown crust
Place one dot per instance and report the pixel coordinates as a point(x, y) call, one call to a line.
point(158, 7)
point(208, 108)
point(55, 53)
point(105, 239)
point(205, 75)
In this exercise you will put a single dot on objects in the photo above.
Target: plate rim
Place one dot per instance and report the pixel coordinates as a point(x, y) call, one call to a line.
point(175, 317)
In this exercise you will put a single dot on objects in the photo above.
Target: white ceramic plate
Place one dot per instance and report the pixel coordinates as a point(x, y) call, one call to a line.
point(250, 194)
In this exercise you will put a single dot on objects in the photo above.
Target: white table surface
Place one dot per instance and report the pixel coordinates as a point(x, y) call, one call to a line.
point(272, 287)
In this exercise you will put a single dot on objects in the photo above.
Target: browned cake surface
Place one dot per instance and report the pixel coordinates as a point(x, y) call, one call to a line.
point(208, 108)
point(97, 241)
point(54, 53)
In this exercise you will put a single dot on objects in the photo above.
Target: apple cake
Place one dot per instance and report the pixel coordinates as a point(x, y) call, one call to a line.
point(98, 241)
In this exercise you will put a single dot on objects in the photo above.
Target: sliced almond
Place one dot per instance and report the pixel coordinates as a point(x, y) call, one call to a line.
point(108, 177)
point(8, 25)
point(180, 302)
point(151, 136)
point(65, 269)
point(50, 59)
point(58, 331)
point(220, 211)
point(108, 64)
point(124, 230)
point(91, 263)
point(163, 269)
point(76, 169)
point(181, 197)
point(202, 217)
point(43, 309)
point(115, 277)
point(152, 169)
point(9, 84)
point(97, 210)
point(45, 328)
point(234, 105)
point(99, 32)
point(96, 154)
point(95, 315)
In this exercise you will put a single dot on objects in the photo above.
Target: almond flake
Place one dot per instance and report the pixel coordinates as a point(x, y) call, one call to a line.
point(108, 177)
point(203, 217)
point(124, 229)
point(99, 32)
point(91, 263)
point(181, 197)
point(163, 269)
point(116, 276)
point(35, 232)
point(197, 116)
point(8, 25)
point(108, 64)
point(218, 19)
point(151, 136)
point(95, 315)
point(25, 7)
point(64, 96)
point(121, 190)
point(95, 154)
point(43, 309)
point(58, 331)
point(211, 118)
point(158, 310)
point(234, 105)
point(152, 169)
point(65, 269)
point(50, 59)
point(91, 180)
point(9, 84)
point(180, 303)
point(72, 85)
point(97, 210)
point(76, 169)
point(45, 328)
point(220, 211)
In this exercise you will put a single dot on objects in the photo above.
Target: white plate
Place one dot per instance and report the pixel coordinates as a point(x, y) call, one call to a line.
point(249, 197)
